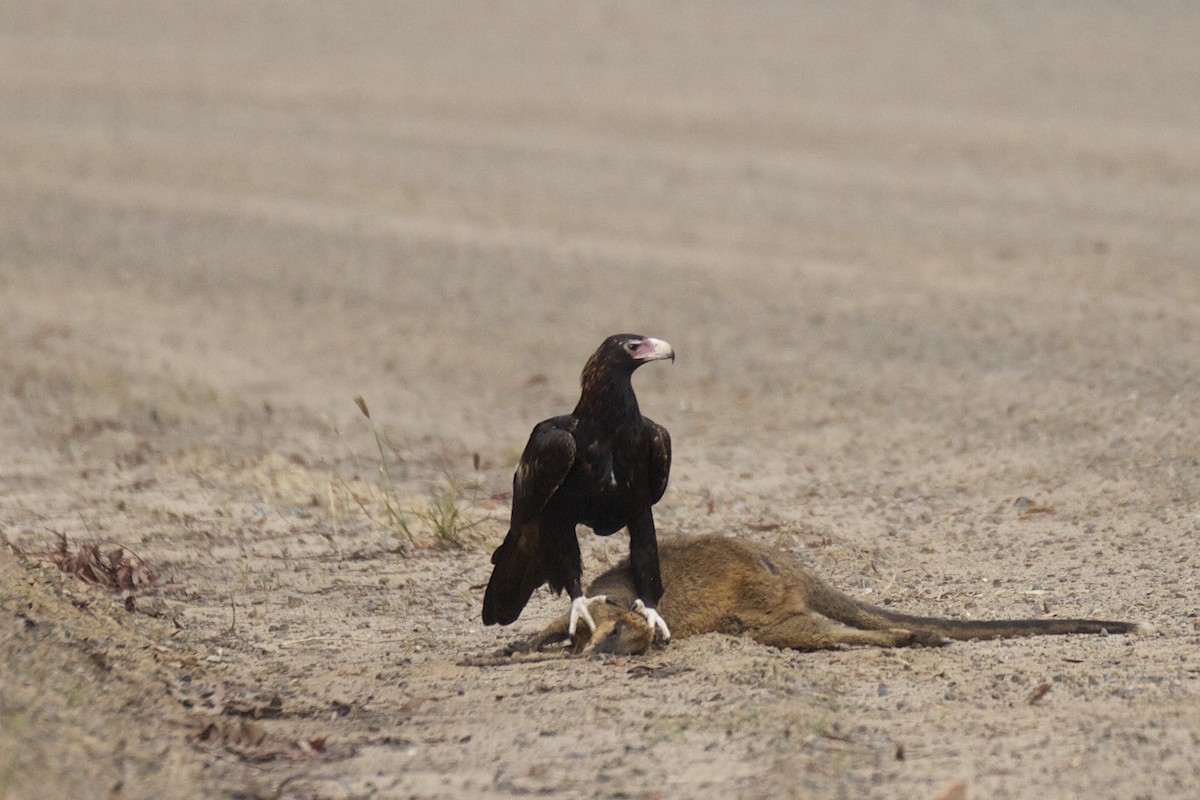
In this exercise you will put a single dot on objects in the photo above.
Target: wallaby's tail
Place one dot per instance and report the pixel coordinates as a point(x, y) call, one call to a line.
point(519, 571)
point(1010, 628)
point(849, 611)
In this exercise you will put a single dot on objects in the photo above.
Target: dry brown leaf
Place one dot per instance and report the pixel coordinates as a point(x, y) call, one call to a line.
point(117, 570)
point(1038, 693)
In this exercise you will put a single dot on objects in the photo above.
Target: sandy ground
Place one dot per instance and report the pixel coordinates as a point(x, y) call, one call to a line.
point(932, 273)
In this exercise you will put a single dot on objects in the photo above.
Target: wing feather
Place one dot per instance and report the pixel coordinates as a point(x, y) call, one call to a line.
point(519, 564)
point(658, 452)
point(547, 459)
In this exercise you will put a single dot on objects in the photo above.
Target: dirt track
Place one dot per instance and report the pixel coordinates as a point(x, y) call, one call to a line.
point(933, 277)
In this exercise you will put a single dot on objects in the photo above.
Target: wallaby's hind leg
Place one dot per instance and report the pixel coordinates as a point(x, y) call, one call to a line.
point(808, 631)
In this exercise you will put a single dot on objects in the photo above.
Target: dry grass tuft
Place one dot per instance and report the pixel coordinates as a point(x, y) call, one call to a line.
point(446, 516)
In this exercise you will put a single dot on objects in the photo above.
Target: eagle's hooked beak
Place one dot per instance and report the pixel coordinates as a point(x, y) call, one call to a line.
point(654, 350)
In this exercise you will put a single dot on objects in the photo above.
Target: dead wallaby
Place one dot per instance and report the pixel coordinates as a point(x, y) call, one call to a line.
point(724, 585)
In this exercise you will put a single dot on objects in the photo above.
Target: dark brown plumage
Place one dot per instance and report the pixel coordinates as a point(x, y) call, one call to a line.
point(603, 466)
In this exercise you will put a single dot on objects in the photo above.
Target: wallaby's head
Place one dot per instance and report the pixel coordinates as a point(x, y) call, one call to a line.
point(619, 631)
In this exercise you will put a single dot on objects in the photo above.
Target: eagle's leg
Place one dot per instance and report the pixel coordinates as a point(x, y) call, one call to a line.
point(653, 619)
point(579, 610)
point(563, 550)
point(647, 577)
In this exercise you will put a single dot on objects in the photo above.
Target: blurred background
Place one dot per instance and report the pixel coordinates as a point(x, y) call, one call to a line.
point(951, 211)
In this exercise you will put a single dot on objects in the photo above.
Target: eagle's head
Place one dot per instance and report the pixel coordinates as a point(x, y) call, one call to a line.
point(628, 351)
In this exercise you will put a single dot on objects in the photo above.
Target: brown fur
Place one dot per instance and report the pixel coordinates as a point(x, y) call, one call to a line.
point(726, 585)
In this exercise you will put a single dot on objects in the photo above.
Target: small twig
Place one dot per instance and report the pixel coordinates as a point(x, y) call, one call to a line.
point(333, 638)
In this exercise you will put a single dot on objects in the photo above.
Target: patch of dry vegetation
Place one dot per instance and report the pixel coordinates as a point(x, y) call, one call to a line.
point(117, 569)
point(108, 566)
point(446, 518)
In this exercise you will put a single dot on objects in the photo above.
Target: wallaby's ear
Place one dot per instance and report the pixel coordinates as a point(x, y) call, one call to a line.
point(601, 612)
point(583, 638)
